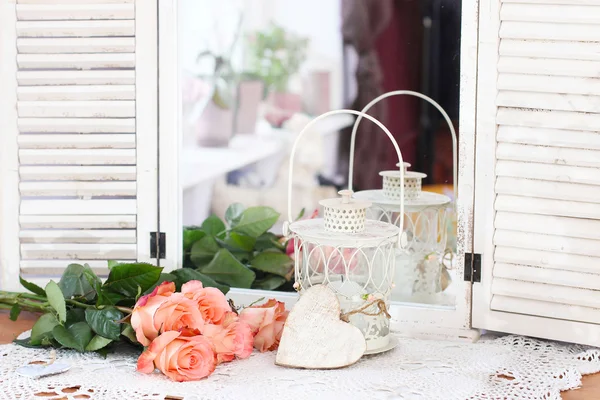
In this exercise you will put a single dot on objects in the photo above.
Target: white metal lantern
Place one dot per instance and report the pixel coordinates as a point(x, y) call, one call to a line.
point(421, 275)
point(353, 255)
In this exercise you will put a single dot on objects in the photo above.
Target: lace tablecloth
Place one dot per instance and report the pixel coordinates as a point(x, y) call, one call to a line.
point(510, 367)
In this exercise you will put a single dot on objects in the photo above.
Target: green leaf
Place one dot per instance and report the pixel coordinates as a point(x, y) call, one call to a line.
point(268, 241)
point(225, 268)
point(161, 279)
point(272, 262)
point(27, 343)
point(127, 278)
point(270, 282)
point(240, 241)
point(301, 214)
point(78, 281)
point(98, 342)
point(56, 300)
point(77, 336)
point(191, 236)
point(42, 328)
point(112, 263)
point(32, 287)
point(14, 312)
point(74, 315)
point(213, 226)
point(129, 333)
point(105, 321)
point(204, 250)
point(184, 275)
point(256, 220)
point(234, 214)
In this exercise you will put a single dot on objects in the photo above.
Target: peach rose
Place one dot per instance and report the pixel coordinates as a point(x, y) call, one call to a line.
point(267, 322)
point(233, 338)
point(211, 301)
point(142, 316)
point(180, 358)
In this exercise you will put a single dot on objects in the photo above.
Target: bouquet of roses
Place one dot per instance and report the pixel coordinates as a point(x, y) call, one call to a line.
point(185, 333)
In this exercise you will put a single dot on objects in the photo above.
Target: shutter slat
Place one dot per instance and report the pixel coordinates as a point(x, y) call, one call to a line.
point(537, 241)
point(76, 109)
point(532, 205)
point(77, 222)
point(548, 224)
point(76, 61)
point(548, 137)
point(75, 28)
point(42, 78)
point(84, 189)
point(73, 1)
point(546, 259)
point(76, 207)
point(547, 66)
point(545, 292)
point(549, 31)
point(550, 49)
point(563, 14)
point(548, 119)
point(548, 172)
point(57, 267)
point(573, 192)
point(545, 309)
point(75, 11)
point(75, 45)
point(71, 93)
point(77, 251)
point(78, 236)
point(548, 155)
point(547, 276)
point(79, 173)
point(549, 101)
point(548, 84)
point(77, 141)
point(568, 2)
point(76, 125)
point(77, 157)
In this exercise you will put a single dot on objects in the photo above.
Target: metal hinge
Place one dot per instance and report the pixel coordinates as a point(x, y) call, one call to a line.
point(472, 267)
point(158, 248)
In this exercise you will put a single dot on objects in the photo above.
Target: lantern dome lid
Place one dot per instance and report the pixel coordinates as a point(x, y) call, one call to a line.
point(405, 164)
point(374, 234)
point(407, 174)
point(345, 202)
point(345, 214)
point(425, 200)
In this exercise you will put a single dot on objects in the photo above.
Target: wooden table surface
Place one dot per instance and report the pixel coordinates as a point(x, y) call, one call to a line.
point(10, 330)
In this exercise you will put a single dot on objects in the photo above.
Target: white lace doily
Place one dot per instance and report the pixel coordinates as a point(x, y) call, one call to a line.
point(511, 367)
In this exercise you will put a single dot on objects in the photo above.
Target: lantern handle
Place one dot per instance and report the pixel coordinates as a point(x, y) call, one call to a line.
point(360, 115)
point(430, 101)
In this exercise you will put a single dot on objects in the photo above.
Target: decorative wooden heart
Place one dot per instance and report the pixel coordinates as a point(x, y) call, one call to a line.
point(314, 337)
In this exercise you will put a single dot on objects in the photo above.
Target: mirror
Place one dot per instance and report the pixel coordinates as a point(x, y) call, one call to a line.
point(255, 72)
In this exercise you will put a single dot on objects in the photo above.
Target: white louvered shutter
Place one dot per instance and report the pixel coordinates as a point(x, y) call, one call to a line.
point(538, 169)
point(78, 134)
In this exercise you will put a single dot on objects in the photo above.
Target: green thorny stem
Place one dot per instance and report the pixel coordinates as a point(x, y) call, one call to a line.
point(37, 303)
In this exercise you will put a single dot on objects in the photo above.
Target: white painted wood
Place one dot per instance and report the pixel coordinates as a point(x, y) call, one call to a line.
point(56, 267)
point(314, 336)
point(546, 309)
point(548, 224)
point(79, 173)
point(557, 13)
point(547, 66)
point(549, 172)
point(36, 12)
point(76, 45)
point(548, 189)
point(77, 141)
point(75, 28)
point(74, 92)
point(77, 221)
point(549, 119)
point(80, 236)
point(554, 85)
point(550, 49)
point(76, 109)
point(146, 106)
point(74, 1)
point(42, 78)
point(76, 125)
point(77, 251)
point(567, 2)
point(548, 155)
point(83, 189)
point(549, 101)
point(549, 137)
point(547, 275)
point(76, 61)
point(77, 207)
point(546, 259)
point(542, 206)
point(550, 31)
point(77, 157)
point(536, 241)
point(9, 163)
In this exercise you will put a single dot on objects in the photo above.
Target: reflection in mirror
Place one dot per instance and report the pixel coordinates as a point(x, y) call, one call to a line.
point(255, 72)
